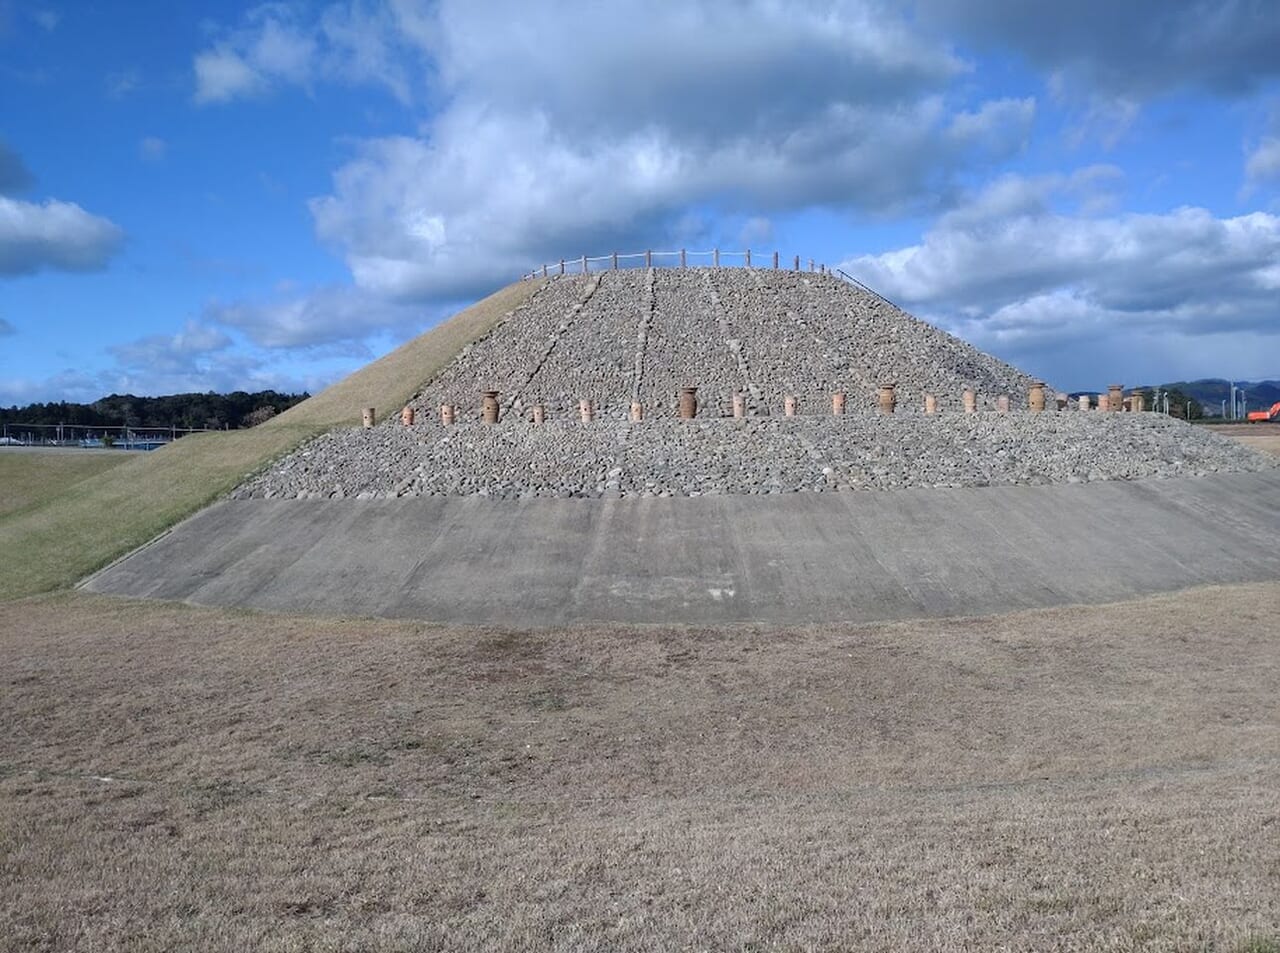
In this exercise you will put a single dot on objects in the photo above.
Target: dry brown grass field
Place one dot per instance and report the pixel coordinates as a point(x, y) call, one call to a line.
point(174, 778)
point(1264, 437)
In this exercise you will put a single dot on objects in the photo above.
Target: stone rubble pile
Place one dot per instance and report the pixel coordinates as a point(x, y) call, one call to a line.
point(669, 457)
point(641, 334)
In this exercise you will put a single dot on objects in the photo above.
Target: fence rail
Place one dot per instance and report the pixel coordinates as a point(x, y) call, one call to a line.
point(682, 257)
point(582, 265)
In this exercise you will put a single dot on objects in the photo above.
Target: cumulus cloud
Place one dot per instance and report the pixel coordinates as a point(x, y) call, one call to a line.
point(1263, 162)
point(167, 353)
point(223, 75)
point(1024, 268)
point(280, 44)
point(1135, 49)
point(314, 318)
point(53, 235)
point(552, 140)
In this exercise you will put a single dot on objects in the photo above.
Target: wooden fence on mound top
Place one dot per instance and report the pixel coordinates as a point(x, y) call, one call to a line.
point(717, 258)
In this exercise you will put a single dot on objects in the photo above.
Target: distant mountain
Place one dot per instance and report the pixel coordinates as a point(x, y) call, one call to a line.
point(1211, 392)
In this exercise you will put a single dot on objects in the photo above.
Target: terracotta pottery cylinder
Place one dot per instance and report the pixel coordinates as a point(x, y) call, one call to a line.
point(406, 416)
point(1115, 397)
point(1035, 400)
point(837, 403)
point(637, 411)
point(970, 402)
point(491, 406)
point(586, 411)
point(789, 405)
point(446, 414)
point(1002, 403)
point(1138, 403)
point(539, 414)
point(370, 417)
point(888, 399)
point(688, 403)
point(739, 405)
point(930, 404)
point(1084, 401)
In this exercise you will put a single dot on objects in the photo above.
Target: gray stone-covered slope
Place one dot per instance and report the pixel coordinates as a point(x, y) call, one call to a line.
point(642, 334)
point(670, 457)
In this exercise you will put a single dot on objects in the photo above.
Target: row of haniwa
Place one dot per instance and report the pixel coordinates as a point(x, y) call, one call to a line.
point(887, 403)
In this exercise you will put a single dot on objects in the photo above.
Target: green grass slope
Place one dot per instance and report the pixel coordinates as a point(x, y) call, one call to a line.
point(29, 477)
point(67, 531)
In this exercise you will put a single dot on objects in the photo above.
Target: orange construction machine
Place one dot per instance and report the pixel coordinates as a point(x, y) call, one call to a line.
point(1272, 414)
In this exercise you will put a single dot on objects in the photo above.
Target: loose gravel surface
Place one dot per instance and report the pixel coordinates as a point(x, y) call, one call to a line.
point(642, 334)
point(666, 457)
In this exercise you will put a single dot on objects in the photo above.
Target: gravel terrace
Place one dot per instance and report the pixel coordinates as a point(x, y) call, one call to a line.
point(668, 457)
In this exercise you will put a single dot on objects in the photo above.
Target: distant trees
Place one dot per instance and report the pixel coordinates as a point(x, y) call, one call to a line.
point(1180, 404)
point(193, 411)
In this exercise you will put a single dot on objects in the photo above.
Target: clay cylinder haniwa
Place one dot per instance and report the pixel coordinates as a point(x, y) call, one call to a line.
point(1115, 399)
point(1137, 403)
point(1002, 403)
point(585, 410)
point(837, 403)
point(491, 406)
point(888, 399)
point(539, 414)
point(789, 405)
point(688, 403)
point(1035, 400)
point(370, 417)
point(1084, 401)
point(446, 414)
point(739, 405)
point(637, 411)
point(930, 404)
point(1103, 401)
point(406, 416)
point(970, 402)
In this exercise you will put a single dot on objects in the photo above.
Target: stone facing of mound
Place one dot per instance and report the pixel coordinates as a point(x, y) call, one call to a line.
point(667, 457)
point(642, 334)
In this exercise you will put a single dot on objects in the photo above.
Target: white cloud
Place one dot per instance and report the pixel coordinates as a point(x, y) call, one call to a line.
point(1263, 162)
point(283, 44)
point(165, 353)
point(222, 75)
point(313, 319)
point(555, 140)
point(153, 149)
point(1025, 270)
point(54, 235)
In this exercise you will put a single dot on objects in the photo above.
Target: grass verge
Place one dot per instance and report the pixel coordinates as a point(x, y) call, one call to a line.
point(66, 529)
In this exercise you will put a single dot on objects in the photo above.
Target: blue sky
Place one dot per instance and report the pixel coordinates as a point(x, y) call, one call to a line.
point(252, 196)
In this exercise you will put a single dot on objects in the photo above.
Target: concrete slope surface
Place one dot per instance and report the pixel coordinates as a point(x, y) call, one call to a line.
point(803, 557)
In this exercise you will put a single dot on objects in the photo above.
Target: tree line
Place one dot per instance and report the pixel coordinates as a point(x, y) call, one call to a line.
point(187, 411)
